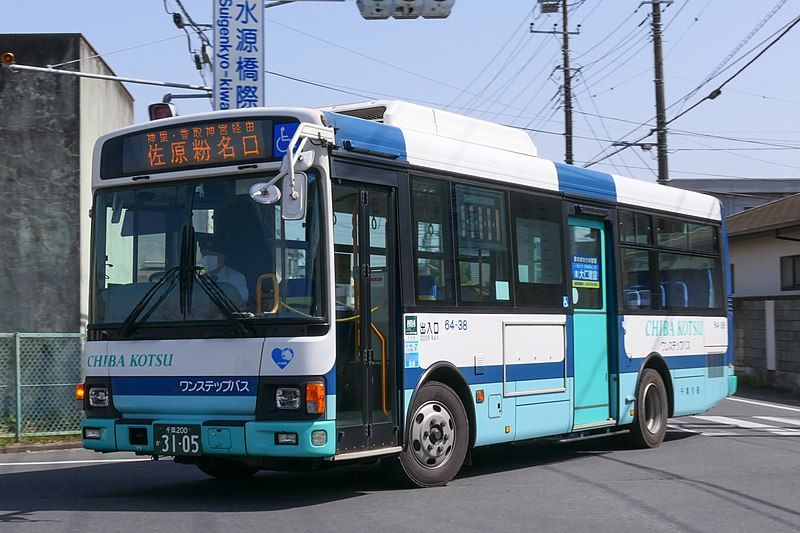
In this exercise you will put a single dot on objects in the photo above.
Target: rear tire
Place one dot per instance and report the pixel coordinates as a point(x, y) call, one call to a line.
point(438, 438)
point(227, 470)
point(652, 411)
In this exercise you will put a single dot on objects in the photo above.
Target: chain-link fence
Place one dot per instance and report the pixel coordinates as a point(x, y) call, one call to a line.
point(38, 374)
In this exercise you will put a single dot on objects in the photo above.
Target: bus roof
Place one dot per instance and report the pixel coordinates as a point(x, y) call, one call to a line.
point(449, 142)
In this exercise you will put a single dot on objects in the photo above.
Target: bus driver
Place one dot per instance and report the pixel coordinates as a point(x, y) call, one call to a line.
point(213, 261)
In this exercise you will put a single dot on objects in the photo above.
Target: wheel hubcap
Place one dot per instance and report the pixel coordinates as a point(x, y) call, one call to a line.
point(432, 435)
point(653, 409)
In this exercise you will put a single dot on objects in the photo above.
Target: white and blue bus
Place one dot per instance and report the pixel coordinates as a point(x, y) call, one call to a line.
point(297, 288)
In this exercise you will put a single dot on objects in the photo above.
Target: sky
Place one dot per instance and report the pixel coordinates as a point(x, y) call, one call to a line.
point(483, 61)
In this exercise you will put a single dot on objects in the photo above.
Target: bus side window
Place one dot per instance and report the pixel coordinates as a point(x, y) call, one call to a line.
point(483, 251)
point(537, 226)
point(637, 282)
point(433, 246)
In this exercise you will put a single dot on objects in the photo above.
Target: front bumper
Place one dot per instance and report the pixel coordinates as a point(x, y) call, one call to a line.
point(255, 439)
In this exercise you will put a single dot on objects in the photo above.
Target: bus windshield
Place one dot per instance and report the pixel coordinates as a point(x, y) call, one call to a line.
point(203, 250)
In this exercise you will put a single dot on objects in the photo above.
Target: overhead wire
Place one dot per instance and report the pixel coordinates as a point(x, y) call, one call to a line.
point(492, 60)
point(780, 34)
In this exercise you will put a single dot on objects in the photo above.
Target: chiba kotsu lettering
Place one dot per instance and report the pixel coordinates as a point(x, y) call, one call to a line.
point(133, 360)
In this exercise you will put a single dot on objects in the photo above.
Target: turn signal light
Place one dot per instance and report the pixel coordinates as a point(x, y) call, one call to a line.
point(315, 398)
point(80, 392)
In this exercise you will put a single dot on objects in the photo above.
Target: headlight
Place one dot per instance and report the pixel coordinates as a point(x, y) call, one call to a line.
point(98, 397)
point(287, 398)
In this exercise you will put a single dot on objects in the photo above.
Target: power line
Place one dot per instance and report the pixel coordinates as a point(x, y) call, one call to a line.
point(736, 49)
point(716, 92)
point(711, 96)
point(491, 61)
point(106, 54)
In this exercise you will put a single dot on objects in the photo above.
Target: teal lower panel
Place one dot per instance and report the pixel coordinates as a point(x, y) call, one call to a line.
point(689, 394)
point(260, 438)
point(495, 417)
point(733, 384)
point(254, 438)
point(108, 439)
point(543, 419)
point(627, 397)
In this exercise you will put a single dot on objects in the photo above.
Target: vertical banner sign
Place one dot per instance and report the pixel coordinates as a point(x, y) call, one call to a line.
point(238, 54)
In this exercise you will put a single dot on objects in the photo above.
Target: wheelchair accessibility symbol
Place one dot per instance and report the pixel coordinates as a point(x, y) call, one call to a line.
point(283, 133)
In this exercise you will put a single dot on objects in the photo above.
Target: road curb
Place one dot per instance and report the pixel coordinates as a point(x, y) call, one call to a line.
point(43, 447)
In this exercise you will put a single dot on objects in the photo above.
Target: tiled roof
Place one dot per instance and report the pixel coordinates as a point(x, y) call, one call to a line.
point(783, 213)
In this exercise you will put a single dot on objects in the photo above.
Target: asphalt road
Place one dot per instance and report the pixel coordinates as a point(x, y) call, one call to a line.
point(734, 468)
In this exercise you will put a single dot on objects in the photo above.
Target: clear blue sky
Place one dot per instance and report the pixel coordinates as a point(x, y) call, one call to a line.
point(441, 63)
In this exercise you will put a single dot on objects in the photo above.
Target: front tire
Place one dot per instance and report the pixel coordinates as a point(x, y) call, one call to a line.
point(652, 411)
point(227, 470)
point(437, 440)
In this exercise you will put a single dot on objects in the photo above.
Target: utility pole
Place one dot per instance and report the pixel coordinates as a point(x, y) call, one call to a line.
point(551, 6)
point(661, 110)
point(567, 84)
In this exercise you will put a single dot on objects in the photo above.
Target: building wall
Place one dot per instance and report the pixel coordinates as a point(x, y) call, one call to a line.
point(766, 340)
point(757, 267)
point(39, 189)
point(46, 130)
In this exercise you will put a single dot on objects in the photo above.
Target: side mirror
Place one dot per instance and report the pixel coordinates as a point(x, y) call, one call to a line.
point(265, 193)
point(294, 189)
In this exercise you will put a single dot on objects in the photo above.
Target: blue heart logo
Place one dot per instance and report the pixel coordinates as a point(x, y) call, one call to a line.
point(282, 356)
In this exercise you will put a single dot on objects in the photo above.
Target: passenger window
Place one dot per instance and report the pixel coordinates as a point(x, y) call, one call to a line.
point(483, 256)
point(433, 241)
point(672, 233)
point(637, 283)
point(635, 228)
point(702, 238)
point(539, 271)
point(687, 281)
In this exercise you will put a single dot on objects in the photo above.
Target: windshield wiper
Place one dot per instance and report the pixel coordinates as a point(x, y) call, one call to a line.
point(222, 301)
point(129, 323)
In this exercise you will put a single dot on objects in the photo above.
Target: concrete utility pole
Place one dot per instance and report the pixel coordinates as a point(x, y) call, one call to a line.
point(661, 111)
point(567, 84)
point(551, 6)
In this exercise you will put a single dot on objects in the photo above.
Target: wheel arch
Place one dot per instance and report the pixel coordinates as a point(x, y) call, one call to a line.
point(656, 361)
point(448, 374)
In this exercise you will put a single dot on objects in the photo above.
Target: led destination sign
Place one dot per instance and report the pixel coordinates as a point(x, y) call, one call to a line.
point(191, 146)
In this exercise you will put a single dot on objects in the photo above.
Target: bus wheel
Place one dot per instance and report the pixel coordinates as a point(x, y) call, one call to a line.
point(438, 437)
point(652, 411)
point(227, 470)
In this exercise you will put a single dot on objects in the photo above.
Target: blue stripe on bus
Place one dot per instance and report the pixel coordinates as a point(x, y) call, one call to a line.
point(494, 373)
point(585, 182)
point(184, 385)
point(367, 136)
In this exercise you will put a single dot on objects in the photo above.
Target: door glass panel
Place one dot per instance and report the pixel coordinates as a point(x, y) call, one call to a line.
point(349, 370)
point(586, 259)
point(381, 285)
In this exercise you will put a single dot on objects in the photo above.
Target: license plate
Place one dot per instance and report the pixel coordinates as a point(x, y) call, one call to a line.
point(174, 439)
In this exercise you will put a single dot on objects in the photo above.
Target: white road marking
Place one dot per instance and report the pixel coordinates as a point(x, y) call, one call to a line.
point(746, 424)
point(765, 404)
point(703, 433)
point(790, 421)
point(87, 461)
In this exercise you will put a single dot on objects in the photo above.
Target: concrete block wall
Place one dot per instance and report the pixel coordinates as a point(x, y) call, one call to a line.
point(767, 340)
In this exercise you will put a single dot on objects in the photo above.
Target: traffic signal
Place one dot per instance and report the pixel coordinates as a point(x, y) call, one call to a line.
point(405, 9)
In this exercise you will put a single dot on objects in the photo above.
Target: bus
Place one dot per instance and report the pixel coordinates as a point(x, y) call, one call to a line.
point(296, 288)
